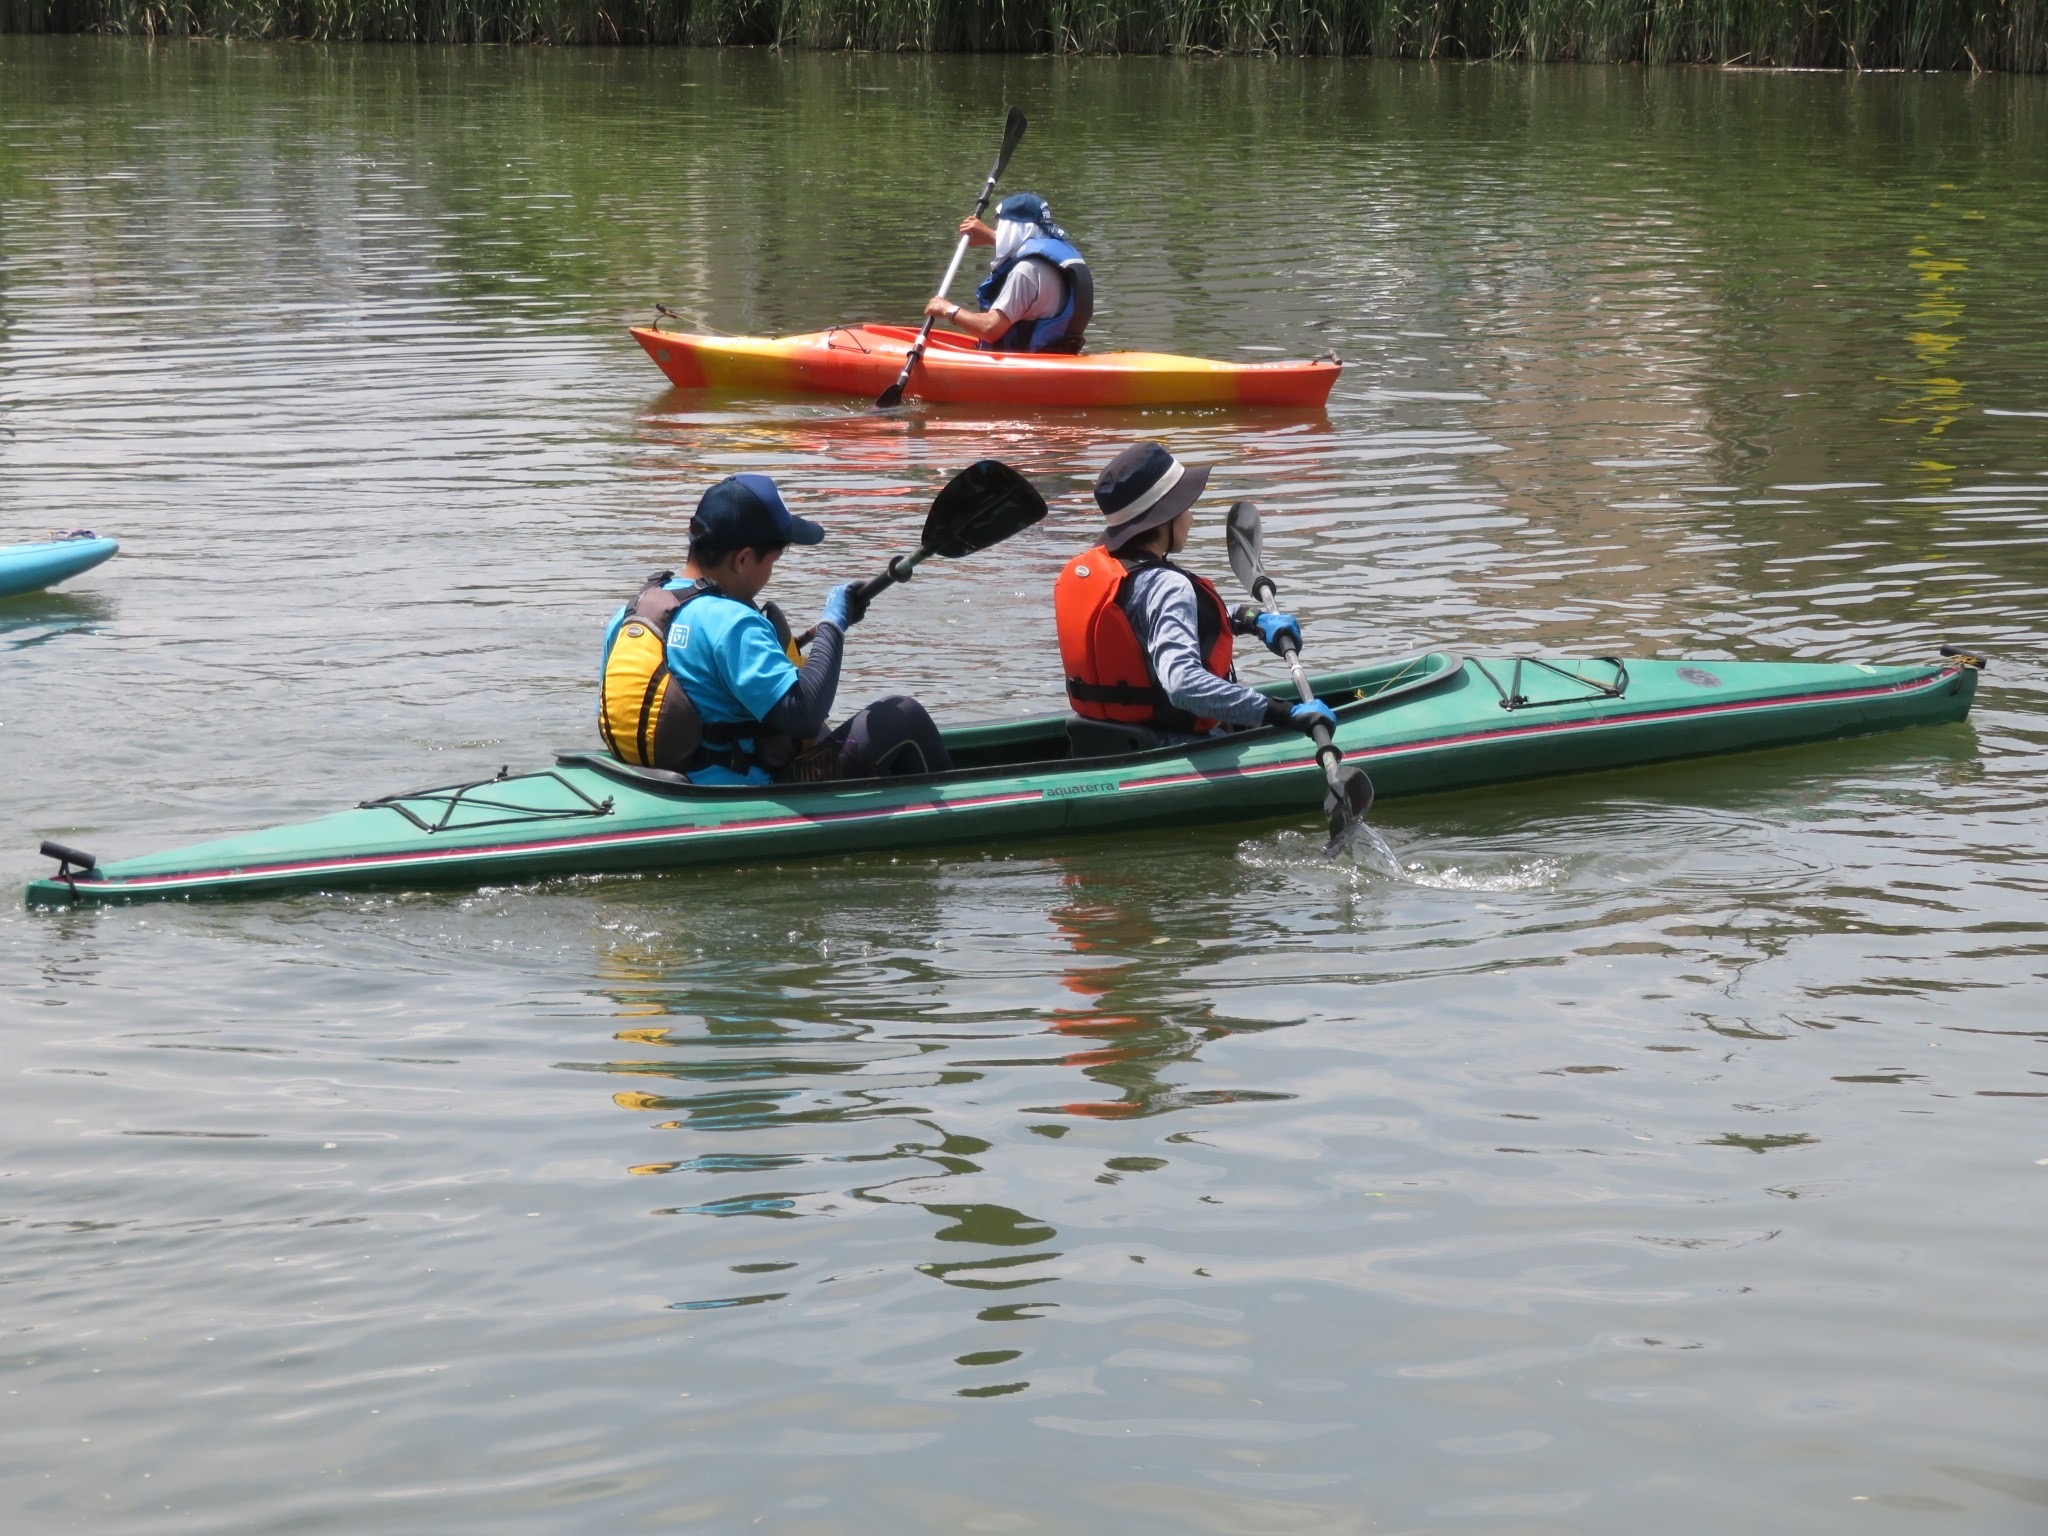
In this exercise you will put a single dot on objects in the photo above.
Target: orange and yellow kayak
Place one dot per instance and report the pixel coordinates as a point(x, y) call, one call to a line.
point(863, 360)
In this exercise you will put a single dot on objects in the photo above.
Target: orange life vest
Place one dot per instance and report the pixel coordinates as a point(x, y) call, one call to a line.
point(1109, 676)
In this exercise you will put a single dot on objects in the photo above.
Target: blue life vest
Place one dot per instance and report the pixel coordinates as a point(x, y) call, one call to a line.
point(1058, 332)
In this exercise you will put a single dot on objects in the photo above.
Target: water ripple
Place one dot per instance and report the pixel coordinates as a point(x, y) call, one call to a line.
point(1608, 1133)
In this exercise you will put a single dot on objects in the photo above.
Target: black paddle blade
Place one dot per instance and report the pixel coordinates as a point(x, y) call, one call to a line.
point(982, 505)
point(1013, 130)
point(1247, 547)
point(1345, 803)
point(890, 398)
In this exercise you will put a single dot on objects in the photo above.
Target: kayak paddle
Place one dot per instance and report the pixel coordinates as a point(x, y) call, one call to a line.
point(1013, 130)
point(1350, 793)
point(982, 505)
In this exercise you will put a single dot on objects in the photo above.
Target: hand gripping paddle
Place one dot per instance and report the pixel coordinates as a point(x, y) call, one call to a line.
point(1350, 794)
point(1013, 130)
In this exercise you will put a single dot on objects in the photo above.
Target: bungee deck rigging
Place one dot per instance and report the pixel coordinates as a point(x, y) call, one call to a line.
point(455, 798)
point(1512, 697)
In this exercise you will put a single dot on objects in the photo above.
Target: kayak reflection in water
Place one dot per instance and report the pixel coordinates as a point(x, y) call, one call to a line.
point(1038, 295)
point(701, 680)
point(1145, 644)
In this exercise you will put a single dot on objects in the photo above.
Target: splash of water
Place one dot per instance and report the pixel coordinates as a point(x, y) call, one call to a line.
point(1371, 856)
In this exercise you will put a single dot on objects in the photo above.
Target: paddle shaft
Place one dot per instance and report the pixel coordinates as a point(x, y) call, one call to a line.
point(893, 395)
point(924, 331)
point(986, 503)
point(1326, 747)
point(953, 266)
point(900, 569)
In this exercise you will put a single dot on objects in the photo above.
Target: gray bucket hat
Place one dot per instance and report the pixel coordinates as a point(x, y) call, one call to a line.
point(1142, 488)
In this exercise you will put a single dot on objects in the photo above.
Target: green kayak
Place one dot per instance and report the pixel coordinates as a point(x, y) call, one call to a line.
point(1418, 725)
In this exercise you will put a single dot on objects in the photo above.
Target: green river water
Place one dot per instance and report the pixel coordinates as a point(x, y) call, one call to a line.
point(1657, 1151)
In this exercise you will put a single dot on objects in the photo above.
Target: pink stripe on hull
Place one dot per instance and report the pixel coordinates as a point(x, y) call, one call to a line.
point(773, 823)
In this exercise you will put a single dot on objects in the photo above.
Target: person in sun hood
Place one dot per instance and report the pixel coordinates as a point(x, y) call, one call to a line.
point(701, 680)
point(1147, 644)
point(1038, 295)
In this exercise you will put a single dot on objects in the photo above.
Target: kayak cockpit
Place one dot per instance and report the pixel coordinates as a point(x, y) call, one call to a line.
point(1050, 743)
point(869, 337)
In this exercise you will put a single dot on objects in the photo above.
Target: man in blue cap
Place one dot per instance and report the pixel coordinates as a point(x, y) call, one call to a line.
point(1038, 295)
point(701, 680)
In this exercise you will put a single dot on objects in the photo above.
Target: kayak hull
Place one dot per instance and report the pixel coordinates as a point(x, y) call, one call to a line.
point(863, 360)
point(1421, 725)
point(33, 567)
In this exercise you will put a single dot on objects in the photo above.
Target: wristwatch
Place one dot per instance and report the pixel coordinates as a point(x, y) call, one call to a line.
point(954, 314)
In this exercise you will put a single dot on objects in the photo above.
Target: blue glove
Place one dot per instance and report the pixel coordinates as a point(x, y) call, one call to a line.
point(844, 606)
point(1272, 626)
point(1306, 717)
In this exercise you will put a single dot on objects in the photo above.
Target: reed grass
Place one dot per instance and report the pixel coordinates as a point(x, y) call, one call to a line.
point(1850, 34)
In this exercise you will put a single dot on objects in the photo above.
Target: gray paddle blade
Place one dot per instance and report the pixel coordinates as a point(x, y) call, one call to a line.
point(1241, 533)
point(1345, 803)
point(982, 505)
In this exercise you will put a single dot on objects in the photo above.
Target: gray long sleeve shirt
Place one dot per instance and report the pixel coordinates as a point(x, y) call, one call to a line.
point(803, 711)
point(1161, 608)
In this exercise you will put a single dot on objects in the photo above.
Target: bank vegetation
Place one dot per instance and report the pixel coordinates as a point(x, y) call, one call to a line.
point(1835, 34)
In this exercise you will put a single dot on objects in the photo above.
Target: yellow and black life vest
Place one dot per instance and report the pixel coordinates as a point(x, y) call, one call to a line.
point(644, 715)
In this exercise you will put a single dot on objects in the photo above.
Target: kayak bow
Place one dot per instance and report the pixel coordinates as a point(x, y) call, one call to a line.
point(32, 567)
point(1423, 724)
point(863, 359)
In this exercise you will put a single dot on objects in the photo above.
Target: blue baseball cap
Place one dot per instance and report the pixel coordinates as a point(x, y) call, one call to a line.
point(746, 512)
point(1026, 207)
